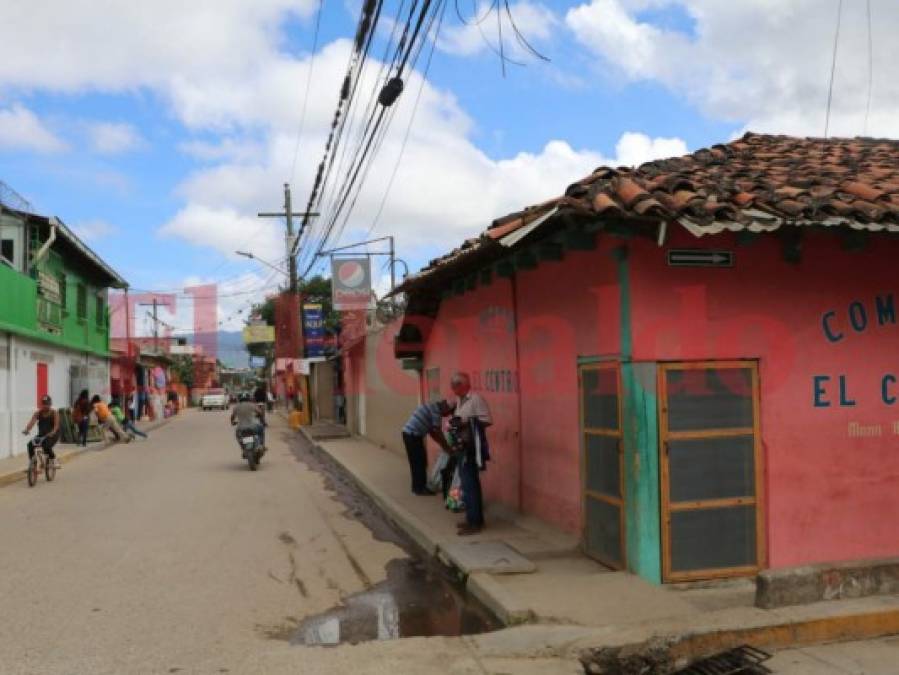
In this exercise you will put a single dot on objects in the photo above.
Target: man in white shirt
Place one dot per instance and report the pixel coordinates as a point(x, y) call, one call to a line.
point(469, 405)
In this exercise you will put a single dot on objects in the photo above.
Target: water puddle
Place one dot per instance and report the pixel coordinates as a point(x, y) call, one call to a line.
point(419, 597)
point(416, 600)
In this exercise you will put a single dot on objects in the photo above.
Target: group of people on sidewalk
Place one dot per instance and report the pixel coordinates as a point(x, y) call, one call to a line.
point(110, 417)
point(463, 445)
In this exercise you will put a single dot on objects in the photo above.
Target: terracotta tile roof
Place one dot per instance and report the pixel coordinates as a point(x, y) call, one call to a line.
point(758, 182)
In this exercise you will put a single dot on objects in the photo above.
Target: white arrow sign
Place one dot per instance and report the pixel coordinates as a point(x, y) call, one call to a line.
point(700, 258)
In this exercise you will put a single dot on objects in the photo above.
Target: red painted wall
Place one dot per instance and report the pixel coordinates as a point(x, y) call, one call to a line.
point(536, 464)
point(831, 495)
point(566, 309)
point(475, 333)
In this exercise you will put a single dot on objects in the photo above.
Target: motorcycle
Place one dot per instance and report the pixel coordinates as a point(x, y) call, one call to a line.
point(251, 447)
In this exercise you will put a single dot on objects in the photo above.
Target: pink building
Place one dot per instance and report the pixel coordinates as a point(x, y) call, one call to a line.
point(692, 363)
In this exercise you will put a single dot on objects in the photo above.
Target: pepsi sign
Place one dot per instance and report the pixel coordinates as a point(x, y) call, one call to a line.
point(351, 283)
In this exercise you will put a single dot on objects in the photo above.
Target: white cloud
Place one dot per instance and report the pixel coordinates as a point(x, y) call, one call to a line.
point(21, 129)
point(218, 67)
point(226, 230)
point(94, 229)
point(765, 63)
point(446, 188)
point(232, 149)
point(121, 46)
point(113, 138)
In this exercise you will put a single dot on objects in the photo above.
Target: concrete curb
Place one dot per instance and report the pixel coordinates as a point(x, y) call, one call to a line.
point(480, 584)
point(666, 646)
point(67, 456)
point(823, 622)
point(493, 596)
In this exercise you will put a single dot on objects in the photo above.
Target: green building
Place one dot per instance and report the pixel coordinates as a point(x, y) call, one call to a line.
point(54, 319)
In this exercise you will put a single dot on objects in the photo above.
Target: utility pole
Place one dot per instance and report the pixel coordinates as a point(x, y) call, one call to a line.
point(155, 317)
point(291, 240)
point(155, 326)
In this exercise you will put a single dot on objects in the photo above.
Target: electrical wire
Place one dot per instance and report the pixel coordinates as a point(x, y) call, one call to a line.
point(870, 67)
point(371, 10)
point(833, 67)
point(379, 141)
point(296, 148)
point(364, 157)
point(399, 157)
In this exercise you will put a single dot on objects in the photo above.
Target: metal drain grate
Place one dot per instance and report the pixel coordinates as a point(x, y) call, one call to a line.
point(743, 660)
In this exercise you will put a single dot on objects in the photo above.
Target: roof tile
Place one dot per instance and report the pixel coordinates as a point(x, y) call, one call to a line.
point(797, 179)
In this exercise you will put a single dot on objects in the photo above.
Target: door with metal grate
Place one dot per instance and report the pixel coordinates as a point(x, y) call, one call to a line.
point(712, 520)
point(602, 463)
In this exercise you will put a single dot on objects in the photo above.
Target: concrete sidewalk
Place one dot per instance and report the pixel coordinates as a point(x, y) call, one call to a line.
point(526, 571)
point(12, 469)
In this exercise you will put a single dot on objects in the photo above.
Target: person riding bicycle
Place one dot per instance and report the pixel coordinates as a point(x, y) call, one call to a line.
point(47, 420)
point(249, 415)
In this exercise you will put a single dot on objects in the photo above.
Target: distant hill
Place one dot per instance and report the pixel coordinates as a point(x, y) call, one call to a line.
point(232, 351)
point(229, 346)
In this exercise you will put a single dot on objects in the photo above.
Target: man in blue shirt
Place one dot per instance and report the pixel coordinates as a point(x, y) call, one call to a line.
point(425, 421)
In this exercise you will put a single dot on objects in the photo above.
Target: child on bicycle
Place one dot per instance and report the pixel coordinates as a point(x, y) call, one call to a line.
point(47, 420)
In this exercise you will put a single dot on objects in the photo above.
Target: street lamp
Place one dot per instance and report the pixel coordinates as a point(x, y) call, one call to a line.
point(247, 254)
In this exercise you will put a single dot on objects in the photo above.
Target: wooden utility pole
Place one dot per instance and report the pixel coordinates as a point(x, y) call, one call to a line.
point(291, 239)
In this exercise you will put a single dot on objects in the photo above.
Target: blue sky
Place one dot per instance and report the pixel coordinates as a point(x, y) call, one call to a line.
point(158, 135)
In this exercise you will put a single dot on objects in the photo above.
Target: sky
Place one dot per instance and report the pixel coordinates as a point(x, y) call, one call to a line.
point(159, 130)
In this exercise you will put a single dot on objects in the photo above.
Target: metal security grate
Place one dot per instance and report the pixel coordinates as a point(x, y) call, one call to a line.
point(743, 660)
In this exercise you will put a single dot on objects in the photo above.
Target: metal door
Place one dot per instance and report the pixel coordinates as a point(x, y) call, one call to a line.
point(602, 463)
point(43, 384)
point(711, 470)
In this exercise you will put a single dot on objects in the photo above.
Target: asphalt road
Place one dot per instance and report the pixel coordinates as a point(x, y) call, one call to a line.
point(170, 556)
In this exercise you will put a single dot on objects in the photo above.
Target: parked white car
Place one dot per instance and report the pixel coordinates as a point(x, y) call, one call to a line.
point(214, 398)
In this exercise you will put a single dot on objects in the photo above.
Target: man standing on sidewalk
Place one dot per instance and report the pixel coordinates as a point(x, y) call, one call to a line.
point(425, 421)
point(473, 413)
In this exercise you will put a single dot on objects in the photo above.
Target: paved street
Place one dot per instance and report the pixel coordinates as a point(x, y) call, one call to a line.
point(170, 554)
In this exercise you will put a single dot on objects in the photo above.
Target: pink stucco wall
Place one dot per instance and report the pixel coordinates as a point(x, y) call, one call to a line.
point(474, 333)
point(830, 494)
point(531, 383)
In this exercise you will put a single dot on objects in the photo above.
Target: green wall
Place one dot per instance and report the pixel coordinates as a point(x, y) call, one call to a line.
point(641, 460)
point(641, 444)
point(19, 301)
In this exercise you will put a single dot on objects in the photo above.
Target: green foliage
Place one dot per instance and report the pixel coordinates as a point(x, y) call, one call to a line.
point(183, 367)
point(316, 289)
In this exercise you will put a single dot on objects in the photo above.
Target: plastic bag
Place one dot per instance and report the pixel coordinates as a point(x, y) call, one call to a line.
point(455, 498)
point(435, 478)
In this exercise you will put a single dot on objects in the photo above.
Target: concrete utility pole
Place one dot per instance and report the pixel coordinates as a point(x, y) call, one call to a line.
point(291, 239)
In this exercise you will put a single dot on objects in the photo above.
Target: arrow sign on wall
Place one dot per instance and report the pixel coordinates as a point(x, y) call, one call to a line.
point(688, 257)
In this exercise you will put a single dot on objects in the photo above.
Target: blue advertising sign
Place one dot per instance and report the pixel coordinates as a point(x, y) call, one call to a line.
point(313, 330)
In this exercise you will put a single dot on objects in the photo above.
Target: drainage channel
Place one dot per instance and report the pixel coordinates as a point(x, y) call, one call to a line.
point(419, 598)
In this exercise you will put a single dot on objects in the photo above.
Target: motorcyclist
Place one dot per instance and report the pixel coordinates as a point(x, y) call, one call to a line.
point(248, 415)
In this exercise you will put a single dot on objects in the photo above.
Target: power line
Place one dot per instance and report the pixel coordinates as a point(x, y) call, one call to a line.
point(870, 67)
point(351, 183)
point(311, 251)
point(399, 157)
point(296, 149)
point(833, 67)
point(367, 21)
point(386, 63)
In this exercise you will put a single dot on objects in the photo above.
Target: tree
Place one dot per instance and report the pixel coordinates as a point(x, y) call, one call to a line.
point(183, 368)
point(314, 290)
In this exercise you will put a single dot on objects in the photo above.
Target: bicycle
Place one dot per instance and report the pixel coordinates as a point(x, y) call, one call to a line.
point(40, 462)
